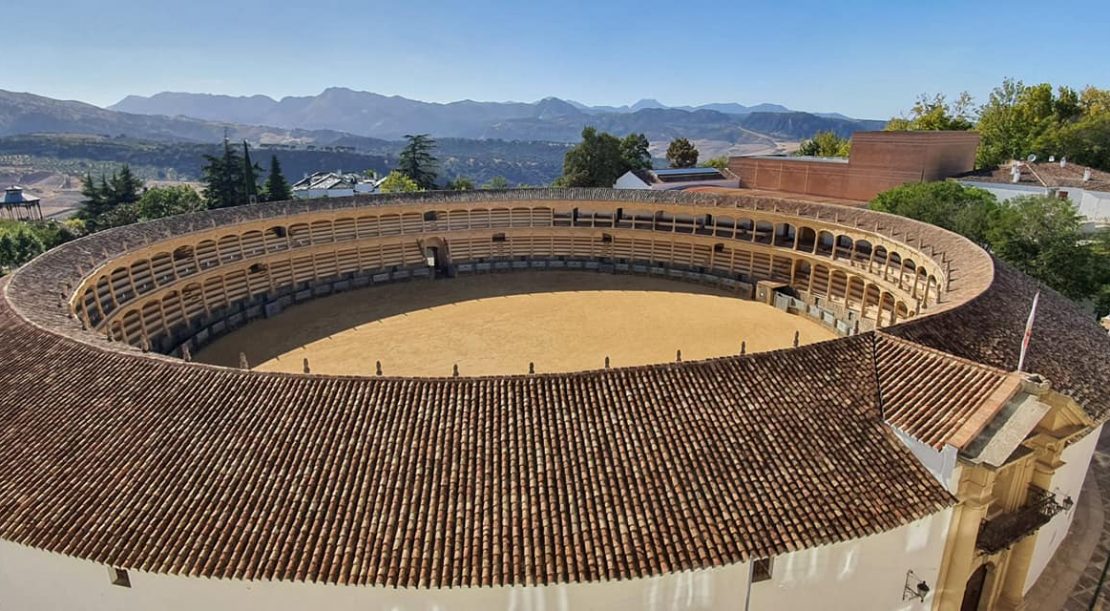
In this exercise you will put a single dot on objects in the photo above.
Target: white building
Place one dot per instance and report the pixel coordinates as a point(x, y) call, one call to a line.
point(676, 179)
point(334, 184)
point(1087, 188)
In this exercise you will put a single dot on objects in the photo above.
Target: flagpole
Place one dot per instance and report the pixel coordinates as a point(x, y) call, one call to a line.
point(1028, 332)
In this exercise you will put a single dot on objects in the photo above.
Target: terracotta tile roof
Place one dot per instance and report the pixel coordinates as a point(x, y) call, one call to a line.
point(1044, 174)
point(1068, 346)
point(146, 462)
point(197, 470)
point(935, 397)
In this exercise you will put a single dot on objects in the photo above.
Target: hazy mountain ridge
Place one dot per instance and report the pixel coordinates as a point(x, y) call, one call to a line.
point(391, 117)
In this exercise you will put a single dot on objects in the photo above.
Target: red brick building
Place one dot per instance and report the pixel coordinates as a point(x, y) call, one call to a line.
point(879, 161)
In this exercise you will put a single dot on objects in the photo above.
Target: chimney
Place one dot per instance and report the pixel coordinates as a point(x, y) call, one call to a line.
point(1087, 175)
point(1051, 158)
point(1063, 162)
point(1015, 173)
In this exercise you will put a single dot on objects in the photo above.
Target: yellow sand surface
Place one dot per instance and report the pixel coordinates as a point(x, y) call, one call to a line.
point(496, 324)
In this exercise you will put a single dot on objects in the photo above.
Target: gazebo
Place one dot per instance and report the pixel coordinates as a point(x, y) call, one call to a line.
point(18, 206)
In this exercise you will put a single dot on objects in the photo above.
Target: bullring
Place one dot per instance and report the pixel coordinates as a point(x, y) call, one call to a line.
point(776, 478)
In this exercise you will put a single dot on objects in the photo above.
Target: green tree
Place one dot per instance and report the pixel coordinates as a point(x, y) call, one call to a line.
point(103, 197)
point(276, 188)
point(948, 204)
point(417, 162)
point(1041, 236)
point(935, 114)
point(1020, 119)
point(682, 154)
point(720, 163)
point(1086, 141)
point(634, 151)
point(95, 202)
point(399, 182)
point(223, 178)
point(250, 176)
point(460, 183)
point(826, 144)
point(596, 161)
point(18, 244)
point(496, 183)
point(160, 202)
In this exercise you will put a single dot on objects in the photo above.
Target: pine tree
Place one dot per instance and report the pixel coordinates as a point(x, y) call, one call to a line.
point(276, 188)
point(125, 187)
point(95, 202)
point(417, 162)
point(223, 178)
point(682, 154)
point(103, 199)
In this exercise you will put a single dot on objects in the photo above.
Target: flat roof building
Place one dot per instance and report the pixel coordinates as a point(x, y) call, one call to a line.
point(676, 179)
point(879, 161)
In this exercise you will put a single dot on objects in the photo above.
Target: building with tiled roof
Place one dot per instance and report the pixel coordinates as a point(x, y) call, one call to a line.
point(1088, 188)
point(903, 465)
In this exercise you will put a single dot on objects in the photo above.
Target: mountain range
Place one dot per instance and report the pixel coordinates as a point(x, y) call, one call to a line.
point(361, 120)
point(552, 119)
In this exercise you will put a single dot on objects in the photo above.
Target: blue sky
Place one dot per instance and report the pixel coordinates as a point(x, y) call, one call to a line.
point(866, 59)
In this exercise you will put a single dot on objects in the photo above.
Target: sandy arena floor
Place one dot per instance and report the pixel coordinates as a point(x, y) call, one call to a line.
point(497, 324)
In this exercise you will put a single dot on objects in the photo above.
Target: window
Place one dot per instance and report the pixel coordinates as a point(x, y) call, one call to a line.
point(761, 569)
point(606, 238)
point(119, 577)
point(430, 216)
point(498, 237)
point(278, 231)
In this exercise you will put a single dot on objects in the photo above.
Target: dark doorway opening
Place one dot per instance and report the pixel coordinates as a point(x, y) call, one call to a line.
point(973, 593)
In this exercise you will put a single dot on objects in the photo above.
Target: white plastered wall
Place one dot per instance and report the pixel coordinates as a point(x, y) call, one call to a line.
point(864, 574)
point(1067, 481)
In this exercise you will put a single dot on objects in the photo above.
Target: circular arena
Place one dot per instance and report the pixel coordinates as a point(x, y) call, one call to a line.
point(537, 399)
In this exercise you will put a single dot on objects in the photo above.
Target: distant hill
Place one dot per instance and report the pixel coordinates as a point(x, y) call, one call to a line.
point(391, 117)
point(533, 163)
point(27, 113)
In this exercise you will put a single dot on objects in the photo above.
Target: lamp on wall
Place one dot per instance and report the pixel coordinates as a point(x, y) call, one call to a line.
point(915, 587)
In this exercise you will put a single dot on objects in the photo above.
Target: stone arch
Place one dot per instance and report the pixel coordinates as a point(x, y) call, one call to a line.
point(785, 235)
point(764, 232)
point(863, 250)
point(807, 239)
point(825, 243)
point(843, 247)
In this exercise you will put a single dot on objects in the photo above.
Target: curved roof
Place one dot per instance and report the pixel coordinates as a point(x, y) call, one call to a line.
point(151, 463)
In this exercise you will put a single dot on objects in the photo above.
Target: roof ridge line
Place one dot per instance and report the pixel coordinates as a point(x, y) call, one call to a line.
point(943, 353)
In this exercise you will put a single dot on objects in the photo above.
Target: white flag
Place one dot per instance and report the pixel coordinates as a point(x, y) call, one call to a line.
point(1028, 331)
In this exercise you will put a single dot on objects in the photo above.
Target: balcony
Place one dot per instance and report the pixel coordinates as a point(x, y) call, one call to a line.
point(1007, 529)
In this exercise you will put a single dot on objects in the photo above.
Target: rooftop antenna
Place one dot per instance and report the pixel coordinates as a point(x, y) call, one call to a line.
point(1031, 158)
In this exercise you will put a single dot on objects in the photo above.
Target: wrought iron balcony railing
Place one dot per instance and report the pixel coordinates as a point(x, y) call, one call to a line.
point(1007, 529)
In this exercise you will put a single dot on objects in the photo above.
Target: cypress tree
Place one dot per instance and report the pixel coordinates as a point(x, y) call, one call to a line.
point(250, 177)
point(276, 188)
